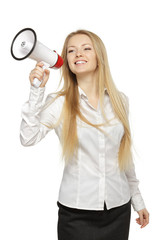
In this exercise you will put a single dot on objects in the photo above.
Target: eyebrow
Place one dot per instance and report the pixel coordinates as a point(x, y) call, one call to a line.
point(82, 45)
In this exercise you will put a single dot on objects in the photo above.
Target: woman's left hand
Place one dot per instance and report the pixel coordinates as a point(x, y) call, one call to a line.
point(143, 219)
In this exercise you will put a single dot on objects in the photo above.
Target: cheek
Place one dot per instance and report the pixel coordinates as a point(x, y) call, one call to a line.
point(93, 57)
point(69, 62)
point(95, 61)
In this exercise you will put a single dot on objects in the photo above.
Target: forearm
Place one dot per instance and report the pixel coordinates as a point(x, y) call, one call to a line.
point(31, 130)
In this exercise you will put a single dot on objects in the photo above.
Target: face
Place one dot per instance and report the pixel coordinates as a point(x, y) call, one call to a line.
point(81, 55)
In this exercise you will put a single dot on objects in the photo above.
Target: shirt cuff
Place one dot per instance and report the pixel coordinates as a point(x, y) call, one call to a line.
point(137, 203)
point(36, 94)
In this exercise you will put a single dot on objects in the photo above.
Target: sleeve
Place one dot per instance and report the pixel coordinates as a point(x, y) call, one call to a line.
point(32, 129)
point(136, 197)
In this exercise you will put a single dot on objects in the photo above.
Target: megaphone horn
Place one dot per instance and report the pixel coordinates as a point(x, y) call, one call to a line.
point(25, 44)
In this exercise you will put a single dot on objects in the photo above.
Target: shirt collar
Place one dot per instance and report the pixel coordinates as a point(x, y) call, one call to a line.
point(82, 93)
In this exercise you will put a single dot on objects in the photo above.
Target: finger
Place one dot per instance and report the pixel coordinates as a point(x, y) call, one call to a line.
point(138, 221)
point(36, 75)
point(46, 77)
point(40, 64)
point(47, 72)
point(146, 219)
point(141, 218)
point(38, 71)
point(144, 224)
point(39, 68)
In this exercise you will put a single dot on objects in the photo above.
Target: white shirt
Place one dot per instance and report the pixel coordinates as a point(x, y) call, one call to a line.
point(95, 176)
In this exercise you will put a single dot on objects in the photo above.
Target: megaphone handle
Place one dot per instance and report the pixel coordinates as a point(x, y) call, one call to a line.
point(36, 83)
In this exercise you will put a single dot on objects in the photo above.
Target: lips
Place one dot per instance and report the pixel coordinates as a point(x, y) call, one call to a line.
point(80, 62)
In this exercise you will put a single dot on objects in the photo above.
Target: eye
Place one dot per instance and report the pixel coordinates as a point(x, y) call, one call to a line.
point(87, 48)
point(70, 51)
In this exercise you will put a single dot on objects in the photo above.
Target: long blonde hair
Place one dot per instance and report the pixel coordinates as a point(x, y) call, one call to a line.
point(71, 107)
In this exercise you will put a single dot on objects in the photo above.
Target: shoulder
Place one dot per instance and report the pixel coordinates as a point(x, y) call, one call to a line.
point(124, 97)
point(53, 102)
point(54, 97)
point(125, 100)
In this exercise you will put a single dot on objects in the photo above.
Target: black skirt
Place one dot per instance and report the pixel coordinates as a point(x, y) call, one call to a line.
point(77, 224)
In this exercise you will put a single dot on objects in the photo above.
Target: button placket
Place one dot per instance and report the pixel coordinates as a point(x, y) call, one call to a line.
point(101, 163)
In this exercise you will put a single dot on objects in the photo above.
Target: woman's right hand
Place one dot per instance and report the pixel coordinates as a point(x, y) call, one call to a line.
point(40, 74)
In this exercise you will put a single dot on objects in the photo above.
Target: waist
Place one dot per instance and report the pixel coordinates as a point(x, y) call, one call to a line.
point(76, 210)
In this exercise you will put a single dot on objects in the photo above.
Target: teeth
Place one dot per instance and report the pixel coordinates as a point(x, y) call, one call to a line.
point(80, 62)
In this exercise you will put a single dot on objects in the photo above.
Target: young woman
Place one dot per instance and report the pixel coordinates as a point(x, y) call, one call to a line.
point(90, 117)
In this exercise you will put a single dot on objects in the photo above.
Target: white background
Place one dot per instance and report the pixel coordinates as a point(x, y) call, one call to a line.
point(30, 177)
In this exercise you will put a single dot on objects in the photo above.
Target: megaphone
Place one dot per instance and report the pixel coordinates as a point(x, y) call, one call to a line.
point(26, 45)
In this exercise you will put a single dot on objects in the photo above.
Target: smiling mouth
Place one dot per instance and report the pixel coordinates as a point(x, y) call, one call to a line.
point(80, 62)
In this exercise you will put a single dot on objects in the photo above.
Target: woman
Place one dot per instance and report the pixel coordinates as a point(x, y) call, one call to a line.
point(90, 117)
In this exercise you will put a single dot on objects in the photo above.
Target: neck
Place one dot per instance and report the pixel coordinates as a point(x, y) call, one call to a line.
point(89, 84)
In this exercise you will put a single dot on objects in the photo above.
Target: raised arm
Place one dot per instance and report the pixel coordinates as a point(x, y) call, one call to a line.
point(32, 129)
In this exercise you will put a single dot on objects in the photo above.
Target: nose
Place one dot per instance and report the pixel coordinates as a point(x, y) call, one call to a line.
point(78, 53)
